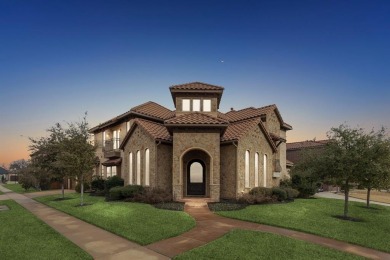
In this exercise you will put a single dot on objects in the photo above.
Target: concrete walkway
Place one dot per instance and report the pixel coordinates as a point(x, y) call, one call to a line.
point(209, 226)
point(333, 195)
point(100, 244)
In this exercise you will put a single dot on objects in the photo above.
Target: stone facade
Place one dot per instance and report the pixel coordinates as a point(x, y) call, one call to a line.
point(170, 142)
point(207, 143)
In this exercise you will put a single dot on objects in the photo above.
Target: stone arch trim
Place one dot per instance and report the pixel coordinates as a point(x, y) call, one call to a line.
point(181, 163)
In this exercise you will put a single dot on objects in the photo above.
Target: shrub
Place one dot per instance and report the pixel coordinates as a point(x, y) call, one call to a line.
point(112, 182)
point(78, 187)
point(178, 206)
point(153, 196)
point(291, 193)
point(130, 190)
point(261, 190)
point(27, 181)
point(97, 184)
point(304, 185)
point(285, 183)
point(279, 193)
point(257, 198)
point(115, 193)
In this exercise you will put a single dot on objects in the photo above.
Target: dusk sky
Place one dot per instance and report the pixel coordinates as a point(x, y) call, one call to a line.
point(322, 63)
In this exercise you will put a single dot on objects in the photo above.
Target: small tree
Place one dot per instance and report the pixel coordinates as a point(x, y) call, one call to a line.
point(376, 156)
point(45, 154)
point(77, 153)
point(17, 166)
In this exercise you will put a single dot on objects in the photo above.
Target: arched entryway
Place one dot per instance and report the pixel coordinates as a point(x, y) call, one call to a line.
point(196, 178)
point(196, 173)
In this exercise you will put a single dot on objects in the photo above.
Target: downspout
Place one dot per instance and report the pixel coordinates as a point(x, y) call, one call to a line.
point(155, 160)
point(235, 143)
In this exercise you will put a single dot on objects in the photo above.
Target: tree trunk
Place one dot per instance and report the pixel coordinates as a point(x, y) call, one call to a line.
point(346, 197)
point(368, 196)
point(63, 189)
point(82, 191)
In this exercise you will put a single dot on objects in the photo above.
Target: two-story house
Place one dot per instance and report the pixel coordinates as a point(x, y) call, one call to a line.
point(194, 150)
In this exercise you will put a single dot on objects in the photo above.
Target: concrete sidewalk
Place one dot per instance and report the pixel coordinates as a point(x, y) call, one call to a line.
point(100, 244)
point(333, 195)
point(209, 226)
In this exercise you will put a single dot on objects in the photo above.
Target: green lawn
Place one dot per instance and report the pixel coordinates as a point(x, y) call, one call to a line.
point(23, 236)
point(141, 223)
point(17, 188)
point(1, 193)
point(242, 244)
point(316, 216)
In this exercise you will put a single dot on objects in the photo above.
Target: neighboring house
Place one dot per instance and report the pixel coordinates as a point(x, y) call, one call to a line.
point(3, 172)
point(295, 149)
point(195, 150)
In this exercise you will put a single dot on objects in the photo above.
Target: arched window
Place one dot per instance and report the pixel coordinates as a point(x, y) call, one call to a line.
point(247, 169)
point(138, 168)
point(265, 170)
point(131, 168)
point(147, 166)
point(256, 169)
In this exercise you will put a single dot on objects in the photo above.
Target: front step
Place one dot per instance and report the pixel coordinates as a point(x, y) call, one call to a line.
point(196, 204)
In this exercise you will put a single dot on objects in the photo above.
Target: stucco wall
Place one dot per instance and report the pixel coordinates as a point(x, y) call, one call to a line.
point(206, 140)
point(254, 141)
point(228, 171)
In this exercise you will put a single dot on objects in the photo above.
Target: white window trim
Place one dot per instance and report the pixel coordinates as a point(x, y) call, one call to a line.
point(208, 106)
point(265, 170)
point(130, 168)
point(247, 165)
point(186, 108)
point(138, 167)
point(256, 169)
point(147, 167)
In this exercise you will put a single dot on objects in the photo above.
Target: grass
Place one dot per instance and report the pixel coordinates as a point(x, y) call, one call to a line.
point(141, 223)
point(1, 193)
point(241, 244)
point(379, 196)
point(23, 236)
point(16, 187)
point(316, 216)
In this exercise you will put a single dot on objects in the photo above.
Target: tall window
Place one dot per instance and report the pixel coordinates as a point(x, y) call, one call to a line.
point(247, 169)
point(138, 168)
point(115, 140)
point(147, 167)
point(131, 168)
point(113, 171)
point(104, 138)
point(256, 169)
point(196, 105)
point(102, 171)
point(108, 170)
point(265, 170)
point(127, 126)
point(207, 105)
point(186, 105)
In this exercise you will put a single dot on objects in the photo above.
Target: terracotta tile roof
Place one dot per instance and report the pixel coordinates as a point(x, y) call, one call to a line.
point(222, 116)
point(236, 130)
point(154, 110)
point(247, 113)
point(156, 130)
point(306, 144)
point(195, 86)
point(195, 119)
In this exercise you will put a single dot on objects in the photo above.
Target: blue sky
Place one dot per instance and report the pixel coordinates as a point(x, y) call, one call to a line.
point(322, 62)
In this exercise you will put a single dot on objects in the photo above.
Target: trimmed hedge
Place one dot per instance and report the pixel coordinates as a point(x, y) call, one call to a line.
point(130, 191)
point(115, 193)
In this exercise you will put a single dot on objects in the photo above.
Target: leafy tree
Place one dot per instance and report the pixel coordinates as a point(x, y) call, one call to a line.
point(376, 156)
point(77, 153)
point(305, 174)
point(343, 158)
point(46, 154)
point(17, 166)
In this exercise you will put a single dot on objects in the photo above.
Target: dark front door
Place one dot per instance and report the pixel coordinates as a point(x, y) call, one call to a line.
point(196, 178)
